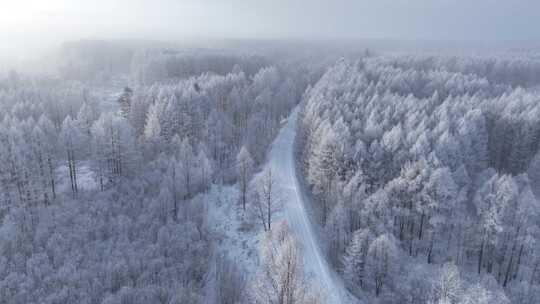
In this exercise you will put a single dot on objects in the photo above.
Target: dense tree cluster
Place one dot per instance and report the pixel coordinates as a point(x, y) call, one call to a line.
point(220, 114)
point(424, 172)
point(151, 66)
point(426, 160)
point(511, 68)
point(140, 235)
point(109, 248)
point(82, 246)
point(36, 119)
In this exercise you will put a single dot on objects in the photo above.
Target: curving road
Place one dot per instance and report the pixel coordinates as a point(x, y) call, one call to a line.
point(281, 161)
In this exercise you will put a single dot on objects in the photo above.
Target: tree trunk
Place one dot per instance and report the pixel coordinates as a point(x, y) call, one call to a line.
point(70, 172)
point(518, 261)
point(507, 275)
point(421, 226)
point(411, 238)
point(175, 196)
point(74, 166)
point(101, 177)
point(481, 255)
point(430, 251)
point(269, 211)
point(533, 273)
point(51, 173)
point(401, 227)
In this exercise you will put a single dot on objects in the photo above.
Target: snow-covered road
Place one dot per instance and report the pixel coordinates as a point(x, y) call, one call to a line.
point(281, 161)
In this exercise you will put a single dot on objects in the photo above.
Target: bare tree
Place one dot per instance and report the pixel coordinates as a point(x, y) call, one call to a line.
point(245, 170)
point(71, 138)
point(264, 197)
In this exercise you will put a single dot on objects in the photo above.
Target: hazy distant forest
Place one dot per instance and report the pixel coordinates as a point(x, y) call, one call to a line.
point(137, 174)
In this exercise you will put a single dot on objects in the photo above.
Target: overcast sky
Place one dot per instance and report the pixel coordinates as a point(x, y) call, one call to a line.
point(38, 22)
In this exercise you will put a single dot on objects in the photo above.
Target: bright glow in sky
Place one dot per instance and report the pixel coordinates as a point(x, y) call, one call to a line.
point(39, 22)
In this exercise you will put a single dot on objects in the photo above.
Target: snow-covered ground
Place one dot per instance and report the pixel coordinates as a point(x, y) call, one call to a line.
point(234, 238)
point(281, 161)
point(86, 179)
point(108, 96)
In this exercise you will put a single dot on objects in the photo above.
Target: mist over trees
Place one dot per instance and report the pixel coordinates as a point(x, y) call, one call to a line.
point(421, 170)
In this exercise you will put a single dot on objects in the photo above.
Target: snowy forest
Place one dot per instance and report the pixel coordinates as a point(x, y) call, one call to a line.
point(105, 191)
point(168, 178)
point(423, 172)
point(269, 152)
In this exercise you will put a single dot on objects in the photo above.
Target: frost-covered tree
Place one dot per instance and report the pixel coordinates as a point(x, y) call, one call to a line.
point(265, 198)
point(73, 140)
point(430, 150)
point(448, 286)
point(114, 147)
point(281, 277)
point(245, 171)
point(381, 262)
point(354, 261)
